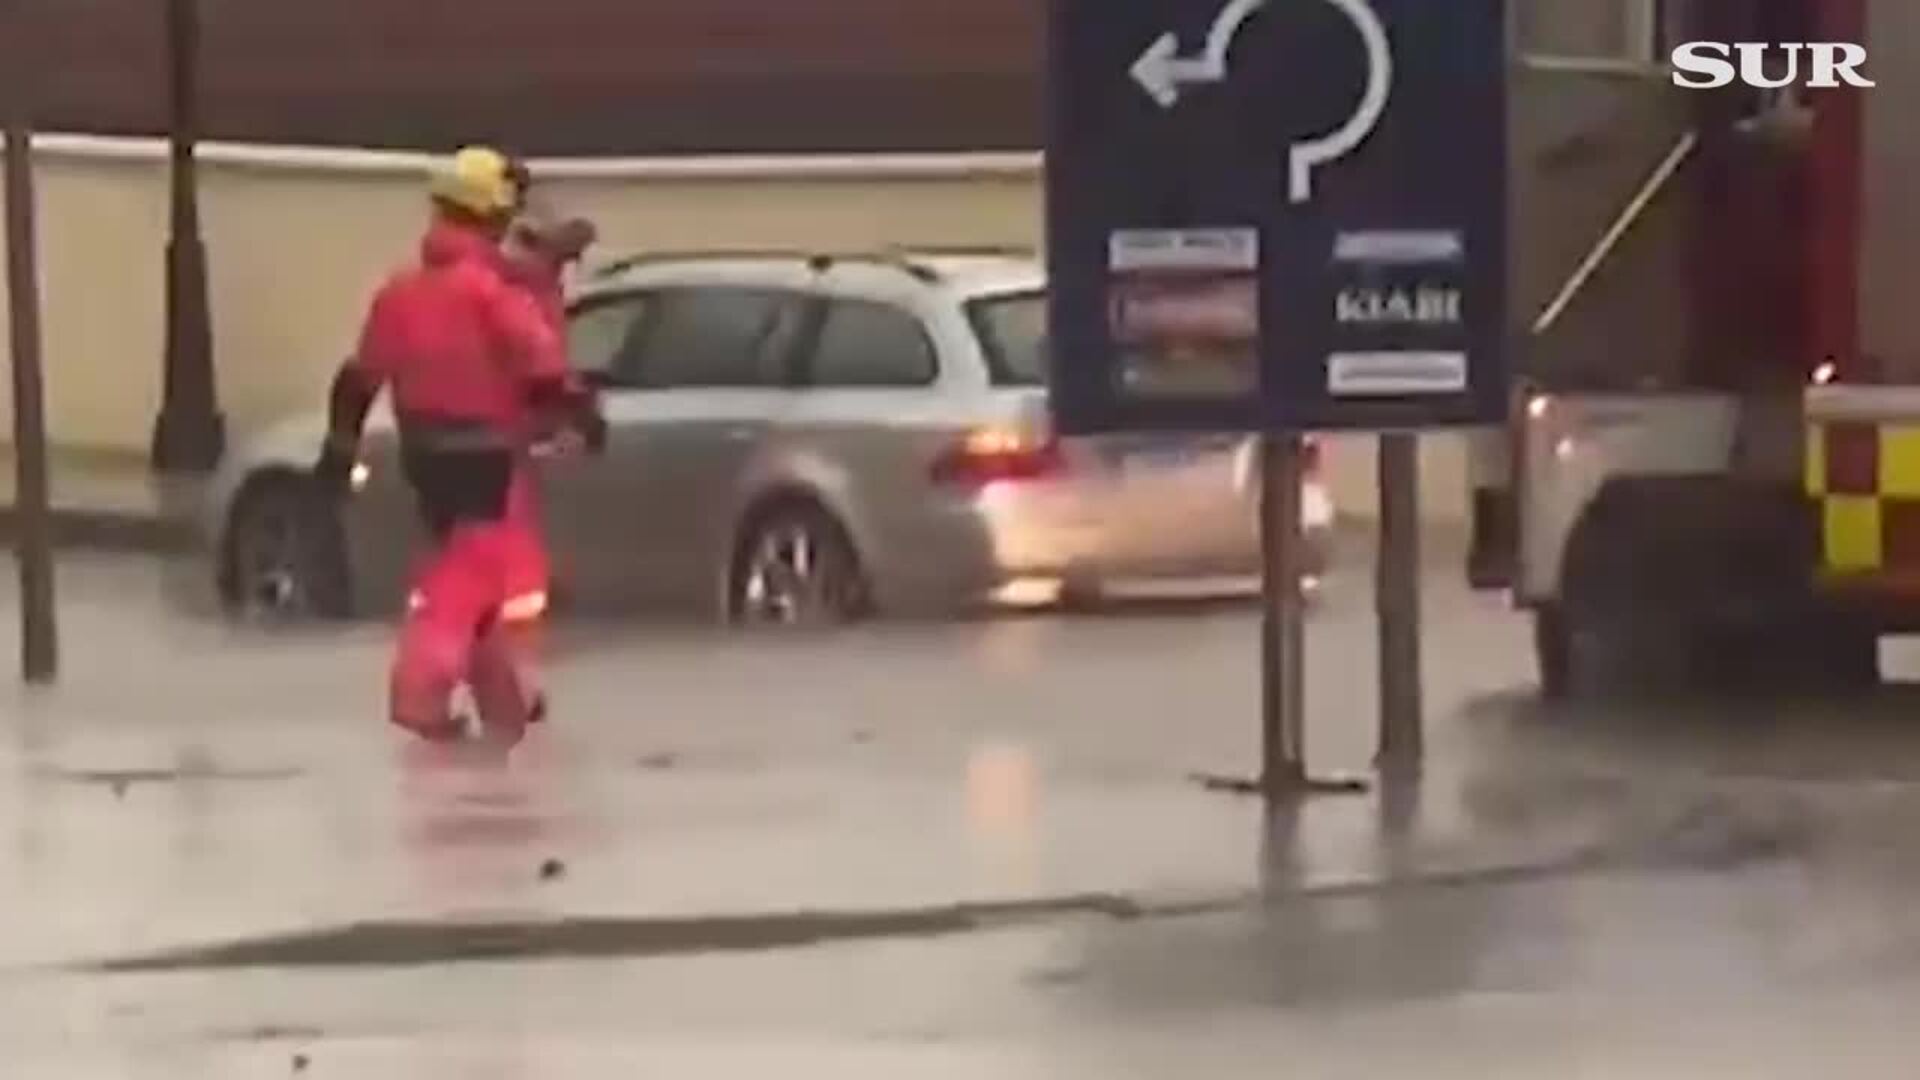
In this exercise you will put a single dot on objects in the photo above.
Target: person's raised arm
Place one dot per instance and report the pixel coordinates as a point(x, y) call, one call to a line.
point(356, 386)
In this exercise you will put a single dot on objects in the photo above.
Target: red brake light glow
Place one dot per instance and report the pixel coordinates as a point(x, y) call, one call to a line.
point(988, 455)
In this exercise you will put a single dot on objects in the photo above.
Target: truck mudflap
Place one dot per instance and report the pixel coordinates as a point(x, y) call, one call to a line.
point(1889, 603)
point(1493, 546)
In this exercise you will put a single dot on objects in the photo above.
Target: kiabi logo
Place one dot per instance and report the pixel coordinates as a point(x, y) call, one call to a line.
point(1709, 65)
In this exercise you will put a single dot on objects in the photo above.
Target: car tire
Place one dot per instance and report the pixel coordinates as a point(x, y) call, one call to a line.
point(284, 556)
point(795, 566)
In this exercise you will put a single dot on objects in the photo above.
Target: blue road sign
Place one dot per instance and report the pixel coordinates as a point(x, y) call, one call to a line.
point(1277, 215)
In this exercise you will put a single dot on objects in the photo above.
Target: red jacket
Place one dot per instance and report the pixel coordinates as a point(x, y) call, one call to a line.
point(461, 343)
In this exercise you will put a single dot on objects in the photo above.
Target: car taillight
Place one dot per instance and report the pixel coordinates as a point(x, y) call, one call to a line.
point(987, 455)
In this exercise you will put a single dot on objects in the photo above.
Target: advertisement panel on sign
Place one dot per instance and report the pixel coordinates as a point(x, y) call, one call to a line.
point(1185, 312)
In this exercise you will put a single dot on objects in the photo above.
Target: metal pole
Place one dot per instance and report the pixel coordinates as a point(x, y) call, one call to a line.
point(39, 641)
point(190, 434)
point(1283, 701)
point(1283, 639)
point(1397, 604)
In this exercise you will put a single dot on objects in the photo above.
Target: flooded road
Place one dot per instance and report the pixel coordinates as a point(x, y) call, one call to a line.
point(937, 850)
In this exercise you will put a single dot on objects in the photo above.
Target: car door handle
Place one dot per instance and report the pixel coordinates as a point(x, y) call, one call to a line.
point(742, 434)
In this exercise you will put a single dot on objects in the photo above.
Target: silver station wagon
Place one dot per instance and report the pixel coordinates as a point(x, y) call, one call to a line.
point(795, 438)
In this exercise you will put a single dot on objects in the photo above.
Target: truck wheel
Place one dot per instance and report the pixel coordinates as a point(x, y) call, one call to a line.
point(1553, 653)
point(1845, 660)
point(1796, 655)
point(1589, 658)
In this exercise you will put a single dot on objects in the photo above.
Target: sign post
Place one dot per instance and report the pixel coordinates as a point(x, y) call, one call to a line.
point(1283, 654)
point(1278, 218)
point(1283, 633)
point(39, 654)
point(1402, 743)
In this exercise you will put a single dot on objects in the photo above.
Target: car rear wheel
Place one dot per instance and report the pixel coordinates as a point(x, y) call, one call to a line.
point(285, 560)
point(796, 567)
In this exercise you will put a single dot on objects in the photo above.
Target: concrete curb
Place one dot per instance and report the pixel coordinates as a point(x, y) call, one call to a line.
point(98, 530)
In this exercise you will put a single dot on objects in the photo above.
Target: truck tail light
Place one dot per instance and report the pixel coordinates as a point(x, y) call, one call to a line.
point(992, 454)
point(1310, 454)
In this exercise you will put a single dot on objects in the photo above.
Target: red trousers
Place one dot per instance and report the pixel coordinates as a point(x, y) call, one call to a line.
point(474, 617)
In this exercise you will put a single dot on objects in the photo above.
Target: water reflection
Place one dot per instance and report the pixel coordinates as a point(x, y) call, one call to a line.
point(476, 825)
point(1002, 810)
point(1335, 926)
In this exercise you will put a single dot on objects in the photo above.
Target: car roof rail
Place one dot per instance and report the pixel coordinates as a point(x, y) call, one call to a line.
point(818, 261)
point(961, 251)
point(634, 261)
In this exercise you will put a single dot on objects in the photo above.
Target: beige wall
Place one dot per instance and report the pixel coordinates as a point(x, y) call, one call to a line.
point(297, 240)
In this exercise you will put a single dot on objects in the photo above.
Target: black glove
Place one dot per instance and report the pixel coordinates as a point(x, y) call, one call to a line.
point(348, 402)
point(333, 473)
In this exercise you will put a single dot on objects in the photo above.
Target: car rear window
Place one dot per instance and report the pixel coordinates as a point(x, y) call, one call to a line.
point(865, 344)
point(1013, 331)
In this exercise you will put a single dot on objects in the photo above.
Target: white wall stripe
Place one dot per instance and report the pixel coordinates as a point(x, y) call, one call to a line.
point(933, 167)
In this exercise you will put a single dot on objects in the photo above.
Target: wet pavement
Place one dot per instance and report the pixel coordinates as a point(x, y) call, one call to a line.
point(111, 501)
point(934, 850)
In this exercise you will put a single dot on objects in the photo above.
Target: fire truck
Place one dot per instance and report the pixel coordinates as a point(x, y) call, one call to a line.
point(1713, 462)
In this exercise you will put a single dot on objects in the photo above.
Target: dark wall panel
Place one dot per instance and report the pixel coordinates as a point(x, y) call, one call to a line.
point(565, 76)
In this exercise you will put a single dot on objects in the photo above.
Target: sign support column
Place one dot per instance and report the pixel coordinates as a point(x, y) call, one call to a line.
point(39, 653)
point(1283, 645)
point(1283, 637)
point(1281, 218)
point(1283, 669)
point(1397, 601)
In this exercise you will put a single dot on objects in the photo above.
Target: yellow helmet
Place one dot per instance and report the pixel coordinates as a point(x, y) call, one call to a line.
point(482, 181)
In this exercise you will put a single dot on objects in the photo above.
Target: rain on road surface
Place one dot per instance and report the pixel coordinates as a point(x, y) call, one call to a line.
point(935, 850)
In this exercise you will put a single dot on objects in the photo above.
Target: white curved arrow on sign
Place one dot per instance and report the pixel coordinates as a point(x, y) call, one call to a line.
point(1163, 73)
point(1304, 157)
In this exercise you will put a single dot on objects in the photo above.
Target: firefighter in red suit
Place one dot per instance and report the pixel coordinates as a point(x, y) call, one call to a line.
point(476, 363)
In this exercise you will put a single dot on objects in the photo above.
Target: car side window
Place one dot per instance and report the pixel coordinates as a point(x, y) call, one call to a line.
point(867, 344)
point(713, 337)
point(601, 332)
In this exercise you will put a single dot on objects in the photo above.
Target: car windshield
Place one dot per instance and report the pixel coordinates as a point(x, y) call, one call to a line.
point(1013, 331)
